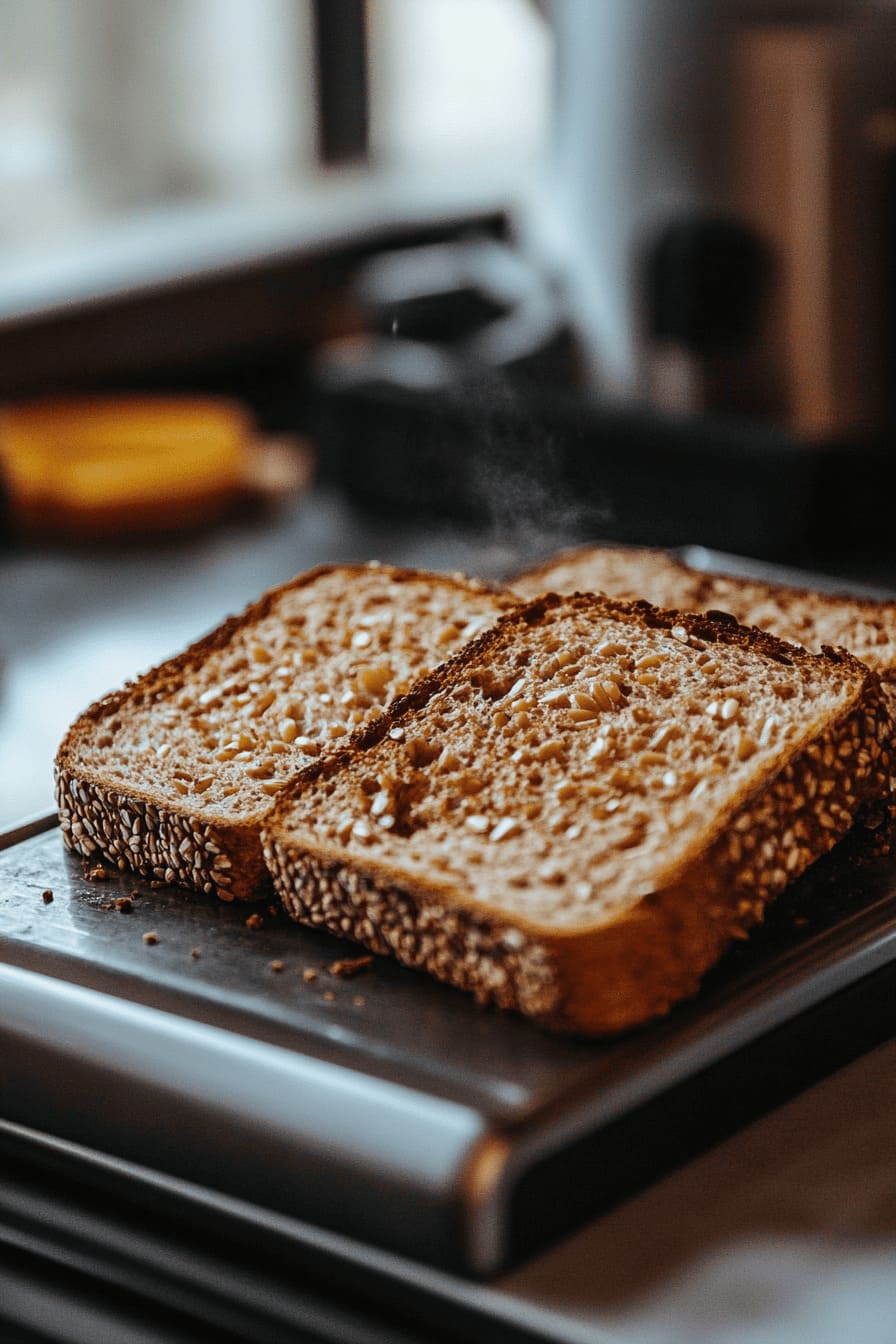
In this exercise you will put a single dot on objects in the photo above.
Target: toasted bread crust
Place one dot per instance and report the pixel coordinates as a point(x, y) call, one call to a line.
point(135, 830)
point(603, 978)
point(138, 829)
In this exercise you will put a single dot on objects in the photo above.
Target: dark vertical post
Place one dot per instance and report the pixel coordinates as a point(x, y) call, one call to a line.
point(340, 34)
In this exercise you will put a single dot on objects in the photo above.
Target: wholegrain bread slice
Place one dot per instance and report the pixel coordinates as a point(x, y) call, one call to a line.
point(576, 814)
point(801, 616)
point(173, 775)
point(629, 572)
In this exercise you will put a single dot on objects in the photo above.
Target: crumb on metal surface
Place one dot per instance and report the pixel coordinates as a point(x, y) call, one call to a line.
point(255, 921)
point(124, 905)
point(195, 954)
point(329, 995)
point(151, 938)
point(277, 966)
point(358, 1001)
point(309, 974)
point(47, 896)
point(349, 966)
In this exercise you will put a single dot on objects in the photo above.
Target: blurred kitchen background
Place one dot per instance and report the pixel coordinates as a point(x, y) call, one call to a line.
point(444, 282)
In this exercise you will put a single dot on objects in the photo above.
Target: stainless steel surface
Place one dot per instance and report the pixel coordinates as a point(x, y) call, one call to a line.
point(316, 1258)
point(385, 1107)
point(412, 1119)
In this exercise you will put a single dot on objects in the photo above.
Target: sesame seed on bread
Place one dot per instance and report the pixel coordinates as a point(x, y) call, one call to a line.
point(801, 616)
point(576, 814)
point(173, 774)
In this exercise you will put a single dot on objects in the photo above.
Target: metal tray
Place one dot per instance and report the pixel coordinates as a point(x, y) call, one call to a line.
point(387, 1108)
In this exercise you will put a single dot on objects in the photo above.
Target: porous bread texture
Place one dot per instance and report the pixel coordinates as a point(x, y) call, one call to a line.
point(173, 774)
point(576, 814)
point(807, 618)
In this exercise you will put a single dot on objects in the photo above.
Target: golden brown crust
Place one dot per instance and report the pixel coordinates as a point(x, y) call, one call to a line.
point(640, 966)
point(105, 815)
point(131, 830)
point(601, 978)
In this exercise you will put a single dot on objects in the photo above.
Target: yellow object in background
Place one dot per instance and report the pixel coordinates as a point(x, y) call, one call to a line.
point(115, 466)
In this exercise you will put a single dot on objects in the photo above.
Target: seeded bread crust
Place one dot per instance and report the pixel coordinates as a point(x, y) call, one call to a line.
point(190, 846)
point(602, 978)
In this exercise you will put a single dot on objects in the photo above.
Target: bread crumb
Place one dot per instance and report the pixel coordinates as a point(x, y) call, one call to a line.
point(277, 966)
point(255, 922)
point(47, 896)
point(350, 966)
point(329, 995)
point(135, 892)
point(150, 939)
point(195, 954)
point(309, 974)
point(358, 1001)
point(124, 905)
point(98, 873)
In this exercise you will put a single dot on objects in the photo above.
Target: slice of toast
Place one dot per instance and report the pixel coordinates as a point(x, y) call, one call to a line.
point(800, 616)
point(576, 814)
point(173, 774)
point(629, 572)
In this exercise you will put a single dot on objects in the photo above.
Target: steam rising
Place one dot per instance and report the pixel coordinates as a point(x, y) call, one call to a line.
point(520, 479)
